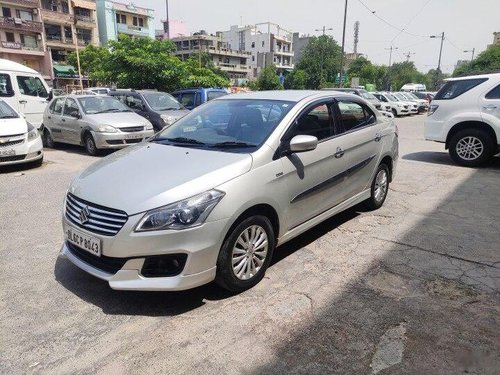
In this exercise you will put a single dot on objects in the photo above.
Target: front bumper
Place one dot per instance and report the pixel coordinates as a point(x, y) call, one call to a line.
point(120, 139)
point(25, 152)
point(200, 244)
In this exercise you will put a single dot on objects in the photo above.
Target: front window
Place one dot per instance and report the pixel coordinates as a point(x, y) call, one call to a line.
point(160, 101)
point(6, 111)
point(101, 104)
point(231, 125)
point(31, 86)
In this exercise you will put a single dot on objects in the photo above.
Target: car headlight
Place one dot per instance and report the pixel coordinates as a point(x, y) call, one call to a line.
point(169, 120)
point(32, 132)
point(184, 214)
point(106, 129)
point(400, 105)
point(148, 126)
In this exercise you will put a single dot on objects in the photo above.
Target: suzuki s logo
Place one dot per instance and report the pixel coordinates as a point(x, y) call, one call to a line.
point(84, 215)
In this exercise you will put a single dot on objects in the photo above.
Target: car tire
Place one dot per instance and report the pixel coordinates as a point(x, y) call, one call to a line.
point(47, 139)
point(471, 147)
point(379, 188)
point(90, 145)
point(240, 264)
point(394, 112)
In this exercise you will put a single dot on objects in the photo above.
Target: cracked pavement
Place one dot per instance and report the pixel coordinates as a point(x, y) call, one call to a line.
point(411, 288)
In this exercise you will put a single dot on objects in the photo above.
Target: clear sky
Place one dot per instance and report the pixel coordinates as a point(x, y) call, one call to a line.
point(467, 24)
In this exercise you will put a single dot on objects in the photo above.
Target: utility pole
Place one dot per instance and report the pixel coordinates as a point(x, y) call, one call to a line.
point(408, 55)
point(323, 29)
point(75, 38)
point(472, 50)
point(166, 26)
point(389, 70)
point(322, 52)
point(343, 42)
point(390, 53)
point(440, 48)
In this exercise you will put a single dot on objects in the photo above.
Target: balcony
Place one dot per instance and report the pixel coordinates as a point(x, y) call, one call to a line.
point(236, 68)
point(58, 41)
point(132, 30)
point(58, 17)
point(22, 3)
point(17, 24)
point(84, 42)
point(20, 48)
point(213, 51)
point(80, 20)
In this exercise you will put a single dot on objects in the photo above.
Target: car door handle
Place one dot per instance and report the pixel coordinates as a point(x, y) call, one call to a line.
point(339, 153)
point(23, 101)
point(489, 106)
point(378, 137)
point(49, 117)
point(63, 120)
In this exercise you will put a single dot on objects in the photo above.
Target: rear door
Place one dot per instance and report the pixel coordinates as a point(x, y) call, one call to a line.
point(490, 107)
point(362, 142)
point(32, 98)
point(69, 124)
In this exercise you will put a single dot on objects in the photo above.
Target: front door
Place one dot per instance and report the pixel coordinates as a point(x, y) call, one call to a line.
point(32, 98)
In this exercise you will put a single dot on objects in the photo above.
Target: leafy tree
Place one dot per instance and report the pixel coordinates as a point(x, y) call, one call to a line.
point(320, 61)
point(268, 79)
point(487, 62)
point(296, 80)
point(92, 62)
point(200, 76)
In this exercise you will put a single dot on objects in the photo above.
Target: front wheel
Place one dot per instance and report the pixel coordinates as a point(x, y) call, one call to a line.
point(379, 188)
point(471, 147)
point(90, 145)
point(245, 254)
point(47, 139)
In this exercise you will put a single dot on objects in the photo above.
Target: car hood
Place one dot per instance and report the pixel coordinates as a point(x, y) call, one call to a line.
point(13, 126)
point(177, 113)
point(150, 175)
point(117, 119)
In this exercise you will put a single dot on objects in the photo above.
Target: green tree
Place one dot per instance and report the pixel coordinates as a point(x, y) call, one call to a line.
point(295, 80)
point(320, 61)
point(92, 63)
point(268, 79)
point(487, 62)
point(200, 76)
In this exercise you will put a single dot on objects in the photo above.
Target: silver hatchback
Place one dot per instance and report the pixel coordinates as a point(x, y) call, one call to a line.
point(96, 122)
point(214, 194)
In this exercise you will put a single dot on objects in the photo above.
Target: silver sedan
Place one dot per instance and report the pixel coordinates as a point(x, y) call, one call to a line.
point(96, 122)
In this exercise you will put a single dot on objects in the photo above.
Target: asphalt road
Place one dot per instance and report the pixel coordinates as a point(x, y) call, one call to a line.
point(411, 288)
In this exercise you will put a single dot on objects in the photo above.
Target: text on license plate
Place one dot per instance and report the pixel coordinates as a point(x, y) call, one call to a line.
point(133, 136)
point(83, 241)
point(9, 152)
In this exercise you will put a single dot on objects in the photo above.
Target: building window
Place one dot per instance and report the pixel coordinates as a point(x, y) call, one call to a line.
point(29, 41)
point(6, 12)
point(53, 32)
point(24, 15)
point(64, 7)
point(121, 18)
point(263, 43)
point(50, 5)
point(68, 34)
point(84, 35)
point(253, 44)
point(141, 22)
point(253, 58)
point(10, 37)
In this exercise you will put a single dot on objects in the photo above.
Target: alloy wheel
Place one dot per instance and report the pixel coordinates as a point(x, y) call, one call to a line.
point(469, 148)
point(249, 252)
point(381, 183)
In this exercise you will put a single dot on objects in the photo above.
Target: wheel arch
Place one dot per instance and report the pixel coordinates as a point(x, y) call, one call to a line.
point(262, 209)
point(86, 130)
point(387, 160)
point(470, 125)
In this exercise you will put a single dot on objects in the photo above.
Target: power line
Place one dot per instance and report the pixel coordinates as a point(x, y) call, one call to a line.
point(390, 24)
point(453, 44)
point(410, 21)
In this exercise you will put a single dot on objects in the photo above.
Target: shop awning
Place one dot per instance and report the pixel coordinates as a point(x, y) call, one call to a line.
point(65, 71)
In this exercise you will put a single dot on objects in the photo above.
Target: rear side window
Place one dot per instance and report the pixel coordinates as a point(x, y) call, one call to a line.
point(5, 86)
point(354, 115)
point(452, 89)
point(494, 94)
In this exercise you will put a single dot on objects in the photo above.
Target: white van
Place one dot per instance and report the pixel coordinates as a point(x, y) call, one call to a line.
point(411, 87)
point(24, 89)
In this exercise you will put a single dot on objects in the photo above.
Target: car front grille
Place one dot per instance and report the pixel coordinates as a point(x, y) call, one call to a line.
point(130, 141)
point(11, 143)
point(12, 158)
point(104, 263)
point(94, 218)
point(132, 129)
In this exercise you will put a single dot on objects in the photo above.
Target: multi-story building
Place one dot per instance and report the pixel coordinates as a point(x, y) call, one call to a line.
point(496, 39)
point(299, 43)
point(267, 42)
point(233, 62)
point(21, 35)
point(116, 18)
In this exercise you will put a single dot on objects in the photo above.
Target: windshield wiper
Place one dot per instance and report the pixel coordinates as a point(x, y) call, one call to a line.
point(179, 140)
point(167, 109)
point(230, 144)
point(109, 110)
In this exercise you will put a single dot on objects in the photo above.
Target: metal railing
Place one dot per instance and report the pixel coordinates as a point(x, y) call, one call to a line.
point(20, 24)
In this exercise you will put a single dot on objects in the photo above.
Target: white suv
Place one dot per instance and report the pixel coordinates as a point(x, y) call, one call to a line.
point(465, 115)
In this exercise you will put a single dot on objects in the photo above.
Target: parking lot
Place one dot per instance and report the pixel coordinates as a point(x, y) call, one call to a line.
point(411, 288)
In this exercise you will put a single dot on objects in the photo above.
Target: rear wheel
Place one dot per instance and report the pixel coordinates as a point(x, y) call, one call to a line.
point(90, 145)
point(379, 188)
point(471, 147)
point(245, 254)
point(394, 112)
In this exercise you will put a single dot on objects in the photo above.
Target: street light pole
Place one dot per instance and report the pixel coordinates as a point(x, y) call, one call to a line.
point(343, 42)
point(167, 22)
point(471, 50)
point(322, 53)
point(440, 49)
point(388, 70)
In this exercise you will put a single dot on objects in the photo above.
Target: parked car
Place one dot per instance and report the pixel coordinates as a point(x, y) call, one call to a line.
point(412, 106)
point(212, 195)
point(424, 95)
point(465, 116)
point(100, 90)
point(20, 141)
point(25, 90)
point(397, 107)
point(193, 97)
point(96, 122)
point(161, 108)
point(413, 87)
point(361, 93)
point(422, 105)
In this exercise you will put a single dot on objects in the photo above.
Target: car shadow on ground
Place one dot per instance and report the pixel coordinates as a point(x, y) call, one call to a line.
point(115, 302)
point(74, 149)
point(15, 168)
point(443, 158)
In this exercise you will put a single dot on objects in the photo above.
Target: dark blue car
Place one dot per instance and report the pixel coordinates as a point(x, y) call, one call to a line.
point(193, 97)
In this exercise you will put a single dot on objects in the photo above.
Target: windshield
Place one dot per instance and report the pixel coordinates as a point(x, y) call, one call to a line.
point(6, 111)
point(368, 95)
point(101, 104)
point(161, 101)
point(392, 98)
point(413, 96)
point(233, 125)
point(400, 97)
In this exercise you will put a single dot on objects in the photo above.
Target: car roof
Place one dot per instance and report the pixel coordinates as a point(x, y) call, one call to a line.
point(16, 67)
point(286, 95)
point(492, 75)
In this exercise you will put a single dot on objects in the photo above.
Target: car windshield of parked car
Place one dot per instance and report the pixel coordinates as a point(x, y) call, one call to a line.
point(101, 104)
point(239, 125)
point(392, 98)
point(400, 97)
point(6, 111)
point(367, 95)
point(161, 101)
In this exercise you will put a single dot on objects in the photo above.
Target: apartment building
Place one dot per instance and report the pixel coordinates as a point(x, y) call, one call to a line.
point(21, 35)
point(267, 43)
point(233, 62)
point(118, 18)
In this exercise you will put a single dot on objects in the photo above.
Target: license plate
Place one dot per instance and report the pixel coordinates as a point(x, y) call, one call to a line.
point(10, 152)
point(133, 136)
point(83, 241)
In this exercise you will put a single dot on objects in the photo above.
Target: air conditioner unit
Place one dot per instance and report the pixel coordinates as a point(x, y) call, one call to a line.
point(18, 21)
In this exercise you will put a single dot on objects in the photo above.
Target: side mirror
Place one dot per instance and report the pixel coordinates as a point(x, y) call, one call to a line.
point(50, 96)
point(302, 143)
point(75, 114)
